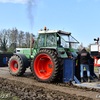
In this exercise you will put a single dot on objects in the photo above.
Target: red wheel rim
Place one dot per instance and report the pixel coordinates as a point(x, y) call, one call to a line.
point(43, 66)
point(14, 65)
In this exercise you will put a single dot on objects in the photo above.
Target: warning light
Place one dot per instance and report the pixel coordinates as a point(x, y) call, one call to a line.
point(45, 28)
point(98, 38)
point(62, 52)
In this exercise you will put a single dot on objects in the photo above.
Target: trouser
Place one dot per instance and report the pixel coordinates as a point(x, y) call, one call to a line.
point(82, 69)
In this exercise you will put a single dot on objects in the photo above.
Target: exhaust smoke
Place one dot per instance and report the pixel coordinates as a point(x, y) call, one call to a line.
point(31, 10)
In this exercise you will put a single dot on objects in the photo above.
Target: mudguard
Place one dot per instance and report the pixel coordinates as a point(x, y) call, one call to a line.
point(52, 49)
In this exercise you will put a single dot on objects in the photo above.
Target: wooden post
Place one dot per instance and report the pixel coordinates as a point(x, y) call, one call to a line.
point(30, 45)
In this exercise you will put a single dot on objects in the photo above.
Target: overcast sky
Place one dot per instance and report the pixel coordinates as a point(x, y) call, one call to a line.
point(80, 17)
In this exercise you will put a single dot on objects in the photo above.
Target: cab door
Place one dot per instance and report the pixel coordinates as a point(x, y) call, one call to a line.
point(40, 41)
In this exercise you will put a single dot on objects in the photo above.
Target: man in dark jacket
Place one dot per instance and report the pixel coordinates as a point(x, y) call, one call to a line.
point(83, 57)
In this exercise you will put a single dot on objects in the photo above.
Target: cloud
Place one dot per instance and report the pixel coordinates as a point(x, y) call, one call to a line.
point(14, 1)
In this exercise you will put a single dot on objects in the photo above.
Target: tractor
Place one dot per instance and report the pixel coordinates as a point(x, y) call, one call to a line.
point(47, 57)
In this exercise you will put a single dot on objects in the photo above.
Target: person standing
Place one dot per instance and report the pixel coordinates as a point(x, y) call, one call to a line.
point(83, 57)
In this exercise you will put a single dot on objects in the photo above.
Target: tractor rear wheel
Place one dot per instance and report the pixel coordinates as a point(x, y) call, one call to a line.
point(45, 66)
point(15, 66)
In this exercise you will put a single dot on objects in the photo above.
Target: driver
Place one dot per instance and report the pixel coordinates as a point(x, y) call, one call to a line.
point(59, 44)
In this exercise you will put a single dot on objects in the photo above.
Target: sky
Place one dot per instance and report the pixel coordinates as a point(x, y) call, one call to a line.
point(80, 17)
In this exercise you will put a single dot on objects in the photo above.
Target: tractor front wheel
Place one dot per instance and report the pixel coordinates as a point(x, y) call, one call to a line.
point(45, 66)
point(15, 66)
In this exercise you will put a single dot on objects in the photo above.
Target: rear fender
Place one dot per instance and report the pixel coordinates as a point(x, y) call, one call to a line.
point(55, 49)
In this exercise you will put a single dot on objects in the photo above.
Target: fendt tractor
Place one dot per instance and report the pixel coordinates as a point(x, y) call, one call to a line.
point(46, 58)
point(51, 57)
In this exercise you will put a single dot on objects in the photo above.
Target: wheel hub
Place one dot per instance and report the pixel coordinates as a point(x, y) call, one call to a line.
point(43, 66)
point(50, 66)
point(14, 65)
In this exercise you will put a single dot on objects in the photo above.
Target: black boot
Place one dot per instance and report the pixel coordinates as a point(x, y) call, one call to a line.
point(99, 78)
point(81, 79)
point(89, 79)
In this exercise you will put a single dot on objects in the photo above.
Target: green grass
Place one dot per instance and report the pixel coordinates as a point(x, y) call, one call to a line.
point(7, 96)
point(95, 69)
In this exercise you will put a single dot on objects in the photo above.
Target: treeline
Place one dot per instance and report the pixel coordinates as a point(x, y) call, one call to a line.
point(13, 38)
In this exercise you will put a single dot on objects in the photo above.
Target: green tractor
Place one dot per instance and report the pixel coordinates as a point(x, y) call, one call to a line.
point(45, 59)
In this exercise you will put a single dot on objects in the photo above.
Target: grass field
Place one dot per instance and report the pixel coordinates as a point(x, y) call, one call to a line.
point(95, 69)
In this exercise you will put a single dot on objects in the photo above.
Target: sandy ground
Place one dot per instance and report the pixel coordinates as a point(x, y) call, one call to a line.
point(48, 92)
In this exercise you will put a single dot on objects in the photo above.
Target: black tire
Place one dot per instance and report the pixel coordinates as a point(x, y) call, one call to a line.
point(60, 63)
point(60, 75)
point(20, 70)
point(54, 59)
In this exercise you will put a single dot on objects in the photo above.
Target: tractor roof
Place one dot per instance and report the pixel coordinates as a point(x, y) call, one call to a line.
point(54, 31)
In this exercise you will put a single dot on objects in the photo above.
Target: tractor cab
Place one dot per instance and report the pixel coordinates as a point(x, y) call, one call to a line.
point(67, 42)
point(59, 40)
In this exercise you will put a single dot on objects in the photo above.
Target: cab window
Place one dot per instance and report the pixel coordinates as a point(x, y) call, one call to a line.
point(41, 40)
point(51, 40)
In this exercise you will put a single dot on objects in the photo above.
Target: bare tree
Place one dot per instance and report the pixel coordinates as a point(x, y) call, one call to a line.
point(80, 47)
point(27, 39)
point(3, 40)
point(13, 36)
point(21, 39)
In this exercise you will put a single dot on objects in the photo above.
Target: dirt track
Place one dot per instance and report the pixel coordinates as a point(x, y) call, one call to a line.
point(27, 88)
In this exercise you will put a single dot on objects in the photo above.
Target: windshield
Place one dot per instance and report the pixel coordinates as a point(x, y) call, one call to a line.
point(67, 41)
